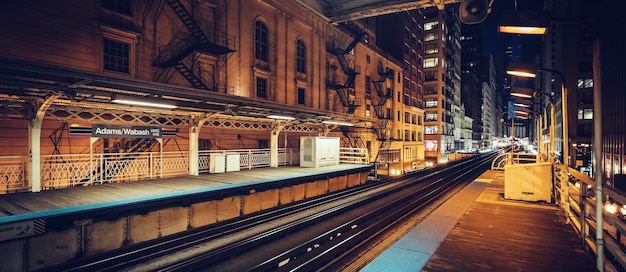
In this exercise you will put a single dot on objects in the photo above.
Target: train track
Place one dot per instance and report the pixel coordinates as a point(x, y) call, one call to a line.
point(303, 236)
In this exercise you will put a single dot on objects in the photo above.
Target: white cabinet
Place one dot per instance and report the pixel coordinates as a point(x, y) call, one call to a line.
point(232, 162)
point(217, 163)
point(528, 181)
point(319, 151)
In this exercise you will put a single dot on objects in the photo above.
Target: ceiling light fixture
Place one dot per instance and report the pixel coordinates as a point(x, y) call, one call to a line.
point(141, 101)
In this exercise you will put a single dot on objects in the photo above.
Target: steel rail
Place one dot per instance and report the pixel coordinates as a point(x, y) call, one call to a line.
point(209, 259)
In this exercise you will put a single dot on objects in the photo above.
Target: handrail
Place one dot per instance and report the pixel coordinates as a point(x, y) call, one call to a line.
point(582, 213)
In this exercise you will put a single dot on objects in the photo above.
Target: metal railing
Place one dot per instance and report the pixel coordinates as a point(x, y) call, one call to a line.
point(13, 174)
point(503, 159)
point(69, 170)
point(353, 155)
point(577, 197)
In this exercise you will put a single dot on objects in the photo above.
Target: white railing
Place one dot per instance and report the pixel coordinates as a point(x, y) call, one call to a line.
point(503, 159)
point(389, 155)
point(252, 158)
point(13, 173)
point(68, 170)
point(60, 171)
point(353, 155)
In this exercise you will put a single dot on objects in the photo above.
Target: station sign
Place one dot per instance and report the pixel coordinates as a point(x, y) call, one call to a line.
point(108, 131)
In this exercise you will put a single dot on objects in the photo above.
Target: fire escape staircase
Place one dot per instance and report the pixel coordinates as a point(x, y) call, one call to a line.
point(344, 90)
point(128, 149)
point(384, 94)
point(352, 138)
point(175, 53)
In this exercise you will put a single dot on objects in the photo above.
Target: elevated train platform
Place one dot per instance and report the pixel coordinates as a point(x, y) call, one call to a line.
point(478, 230)
point(41, 229)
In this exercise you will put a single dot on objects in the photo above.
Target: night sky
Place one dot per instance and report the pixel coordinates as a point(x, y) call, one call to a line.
point(495, 43)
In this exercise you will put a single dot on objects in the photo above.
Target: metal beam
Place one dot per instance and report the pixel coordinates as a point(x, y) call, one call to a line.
point(337, 11)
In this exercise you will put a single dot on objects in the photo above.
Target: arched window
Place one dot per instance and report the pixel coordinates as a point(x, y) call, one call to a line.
point(301, 57)
point(260, 41)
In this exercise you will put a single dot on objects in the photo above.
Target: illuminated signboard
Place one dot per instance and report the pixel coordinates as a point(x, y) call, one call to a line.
point(431, 145)
point(106, 131)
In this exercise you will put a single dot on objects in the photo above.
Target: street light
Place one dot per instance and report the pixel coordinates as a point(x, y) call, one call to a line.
point(543, 21)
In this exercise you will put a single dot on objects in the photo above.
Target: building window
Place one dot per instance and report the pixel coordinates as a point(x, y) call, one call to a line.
point(431, 103)
point(407, 135)
point(431, 49)
point(407, 117)
point(431, 62)
point(301, 95)
point(368, 87)
point(430, 116)
point(585, 114)
point(261, 87)
point(430, 25)
point(119, 6)
point(116, 56)
point(301, 57)
point(260, 41)
point(430, 130)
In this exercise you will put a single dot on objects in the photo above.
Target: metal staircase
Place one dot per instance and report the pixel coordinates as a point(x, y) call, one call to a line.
point(384, 94)
point(128, 149)
point(179, 52)
point(346, 89)
point(352, 138)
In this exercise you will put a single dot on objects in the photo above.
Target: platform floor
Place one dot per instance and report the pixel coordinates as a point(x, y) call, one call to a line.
point(478, 230)
point(25, 206)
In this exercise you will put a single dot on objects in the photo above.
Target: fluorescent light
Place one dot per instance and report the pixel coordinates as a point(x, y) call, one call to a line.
point(337, 123)
point(280, 117)
point(521, 95)
point(521, 105)
point(523, 30)
point(521, 74)
point(139, 101)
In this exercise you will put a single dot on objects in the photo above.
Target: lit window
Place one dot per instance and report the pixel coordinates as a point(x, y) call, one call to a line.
point(588, 83)
point(116, 56)
point(432, 116)
point(260, 41)
point(431, 49)
point(430, 25)
point(430, 37)
point(431, 103)
point(301, 57)
point(430, 130)
point(431, 62)
point(585, 114)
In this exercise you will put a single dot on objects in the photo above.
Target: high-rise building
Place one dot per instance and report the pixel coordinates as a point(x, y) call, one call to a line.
point(442, 77)
point(401, 36)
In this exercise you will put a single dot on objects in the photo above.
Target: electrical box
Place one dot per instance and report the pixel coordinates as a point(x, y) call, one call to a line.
point(319, 151)
point(217, 162)
point(232, 162)
point(528, 181)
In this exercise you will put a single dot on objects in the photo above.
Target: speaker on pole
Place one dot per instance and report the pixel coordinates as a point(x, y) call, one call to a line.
point(474, 11)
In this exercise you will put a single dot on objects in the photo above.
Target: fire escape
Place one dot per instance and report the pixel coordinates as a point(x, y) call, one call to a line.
point(181, 52)
point(380, 127)
point(345, 90)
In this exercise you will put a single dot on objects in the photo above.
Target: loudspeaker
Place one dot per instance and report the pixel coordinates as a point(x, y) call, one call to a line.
point(473, 11)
